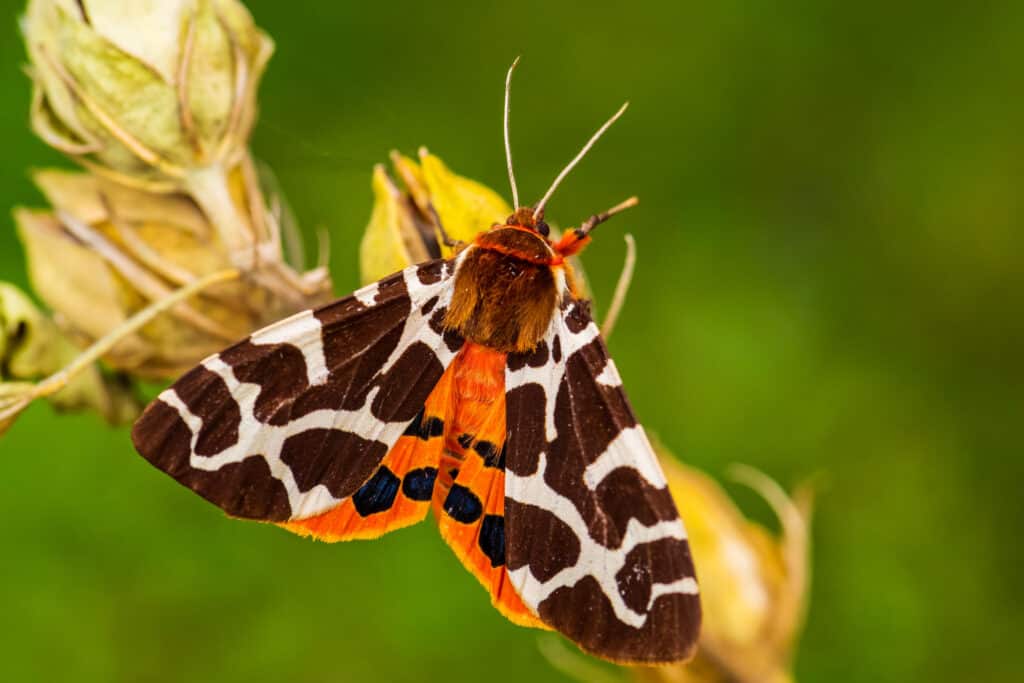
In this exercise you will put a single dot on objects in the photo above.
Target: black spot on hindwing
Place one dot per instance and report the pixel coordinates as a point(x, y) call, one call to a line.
point(424, 429)
point(462, 505)
point(490, 453)
point(418, 484)
point(378, 494)
point(492, 539)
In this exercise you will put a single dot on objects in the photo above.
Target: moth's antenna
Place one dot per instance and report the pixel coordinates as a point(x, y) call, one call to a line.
point(597, 219)
point(539, 209)
point(508, 146)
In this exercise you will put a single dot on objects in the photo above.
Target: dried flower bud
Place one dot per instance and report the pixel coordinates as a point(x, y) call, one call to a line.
point(32, 347)
point(753, 584)
point(405, 226)
point(108, 251)
point(156, 95)
point(146, 89)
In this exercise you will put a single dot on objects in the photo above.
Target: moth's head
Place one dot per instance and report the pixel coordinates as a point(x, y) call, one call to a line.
point(526, 217)
point(531, 218)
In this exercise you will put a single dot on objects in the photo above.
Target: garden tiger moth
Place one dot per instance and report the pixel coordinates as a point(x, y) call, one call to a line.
point(480, 387)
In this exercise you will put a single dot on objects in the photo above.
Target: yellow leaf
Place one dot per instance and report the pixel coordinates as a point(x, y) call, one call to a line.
point(465, 206)
point(385, 247)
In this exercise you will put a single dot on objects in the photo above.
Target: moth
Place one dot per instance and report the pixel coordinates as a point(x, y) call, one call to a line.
point(478, 387)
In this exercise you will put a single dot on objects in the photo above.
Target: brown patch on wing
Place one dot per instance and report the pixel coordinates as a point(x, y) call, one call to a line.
point(650, 563)
point(430, 272)
point(617, 498)
point(414, 374)
point(279, 370)
point(578, 317)
point(583, 613)
point(535, 358)
point(542, 540)
point(590, 414)
point(207, 396)
point(526, 437)
point(338, 459)
point(354, 354)
point(244, 489)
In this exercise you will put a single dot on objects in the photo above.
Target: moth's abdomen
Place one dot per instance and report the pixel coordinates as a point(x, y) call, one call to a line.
point(505, 291)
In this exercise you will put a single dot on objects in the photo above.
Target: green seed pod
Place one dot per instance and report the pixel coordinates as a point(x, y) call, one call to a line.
point(157, 95)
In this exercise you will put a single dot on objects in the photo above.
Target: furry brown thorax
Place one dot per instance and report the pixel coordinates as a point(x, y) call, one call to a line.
point(505, 290)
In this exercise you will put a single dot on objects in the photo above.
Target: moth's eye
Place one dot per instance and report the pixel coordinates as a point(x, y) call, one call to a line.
point(543, 228)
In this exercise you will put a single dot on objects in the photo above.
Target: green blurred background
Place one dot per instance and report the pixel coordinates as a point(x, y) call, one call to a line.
point(829, 281)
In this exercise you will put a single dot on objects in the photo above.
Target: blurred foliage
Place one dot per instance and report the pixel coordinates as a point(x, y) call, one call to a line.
point(829, 279)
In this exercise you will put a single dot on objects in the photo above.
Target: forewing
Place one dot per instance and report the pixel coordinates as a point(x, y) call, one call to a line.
point(594, 541)
point(297, 418)
point(398, 493)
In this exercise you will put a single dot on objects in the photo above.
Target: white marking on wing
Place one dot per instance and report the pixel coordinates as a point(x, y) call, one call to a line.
point(304, 332)
point(630, 448)
point(686, 586)
point(170, 398)
point(595, 559)
point(367, 296)
point(550, 375)
point(609, 377)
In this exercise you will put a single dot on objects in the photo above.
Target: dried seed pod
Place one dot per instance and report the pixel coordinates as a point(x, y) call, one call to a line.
point(107, 251)
point(168, 250)
point(32, 347)
point(157, 95)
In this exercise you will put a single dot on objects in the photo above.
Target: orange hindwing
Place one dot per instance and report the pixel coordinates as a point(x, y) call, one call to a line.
point(469, 497)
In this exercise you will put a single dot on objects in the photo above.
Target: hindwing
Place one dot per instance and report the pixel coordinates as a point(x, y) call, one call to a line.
point(469, 499)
